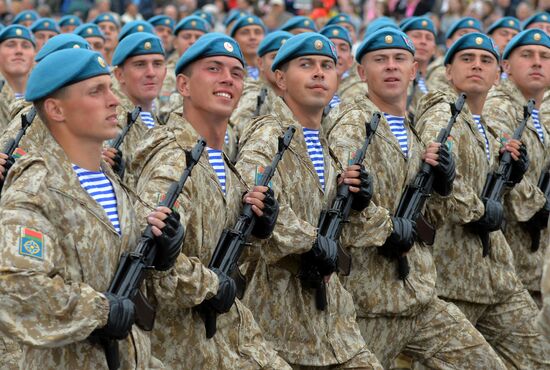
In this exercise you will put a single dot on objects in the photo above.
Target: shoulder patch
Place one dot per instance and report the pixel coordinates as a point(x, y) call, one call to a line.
point(18, 153)
point(162, 196)
point(31, 243)
point(259, 174)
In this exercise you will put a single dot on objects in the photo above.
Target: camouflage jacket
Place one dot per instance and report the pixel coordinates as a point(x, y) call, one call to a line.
point(414, 94)
point(543, 319)
point(462, 272)
point(435, 76)
point(168, 86)
point(352, 86)
point(285, 310)
point(205, 211)
point(373, 282)
point(244, 112)
point(6, 98)
point(60, 251)
point(34, 136)
point(503, 111)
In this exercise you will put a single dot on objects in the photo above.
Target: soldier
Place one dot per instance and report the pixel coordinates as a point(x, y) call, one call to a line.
point(210, 76)
point(17, 50)
point(487, 289)
point(26, 18)
point(345, 21)
point(502, 31)
point(206, 16)
point(43, 30)
point(299, 24)
point(233, 15)
point(435, 74)
point(306, 334)
point(164, 28)
point(110, 27)
point(133, 27)
point(249, 107)
point(526, 60)
point(68, 23)
point(93, 34)
point(399, 315)
point(249, 31)
point(539, 20)
point(65, 220)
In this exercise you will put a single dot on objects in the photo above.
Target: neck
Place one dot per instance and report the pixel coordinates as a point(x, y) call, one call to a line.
point(538, 95)
point(397, 107)
point(308, 117)
point(422, 67)
point(146, 106)
point(476, 103)
point(83, 153)
point(211, 127)
point(109, 56)
point(17, 83)
point(251, 60)
point(273, 86)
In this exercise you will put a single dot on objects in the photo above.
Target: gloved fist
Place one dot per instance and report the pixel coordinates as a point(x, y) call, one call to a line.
point(491, 219)
point(266, 223)
point(120, 164)
point(519, 166)
point(169, 243)
point(402, 238)
point(362, 198)
point(539, 220)
point(8, 161)
point(445, 172)
point(324, 255)
point(227, 291)
point(121, 318)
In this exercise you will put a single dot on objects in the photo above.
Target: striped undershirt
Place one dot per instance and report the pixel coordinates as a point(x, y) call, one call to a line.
point(503, 76)
point(19, 95)
point(215, 158)
point(422, 85)
point(536, 123)
point(226, 138)
point(481, 129)
point(101, 190)
point(147, 118)
point(253, 72)
point(315, 152)
point(397, 127)
point(334, 101)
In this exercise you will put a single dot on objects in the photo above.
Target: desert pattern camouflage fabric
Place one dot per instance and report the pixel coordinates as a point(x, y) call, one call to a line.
point(352, 86)
point(302, 334)
point(34, 136)
point(168, 86)
point(205, 211)
point(543, 319)
point(6, 98)
point(60, 251)
point(503, 112)
point(243, 114)
point(435, 76)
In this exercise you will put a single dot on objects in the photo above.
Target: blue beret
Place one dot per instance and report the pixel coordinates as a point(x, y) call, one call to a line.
point(139, 43)
point(379, 23)
point(106, 17)
point(506, 22)
point(298, 21)
point(69, 20)
point(206, 16)
point(467, 22)
point(272, 42)
point(385, 38)
point(26, 15)
point(340, 18)
point(44, 24)
point(135, 26)
point(541, 17)
point(60, 42)
point(89, 30)
point(193, 23)
point(308, 43)
point(209, 45)
point(162, 20)
point(233, 16)
point(47, 77)
point(475, 40)
point(532, 36)
point(16, 31)
point(2, 26)
point(418, 23)
point(336, 32)
point(247, 20)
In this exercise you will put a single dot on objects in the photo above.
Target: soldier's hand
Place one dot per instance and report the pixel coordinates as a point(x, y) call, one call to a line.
point(114, 159)
point(121, 317)
point(227, 291)
point(512, 146)
point(445, 170)
point(265, 223)
point(5, 163)
point(256, 197)
point(491, 219)
point(351, 177)
point(324, 255)
point(520, 163)
point(169, 234)
point(360, 183)
point(401, 240)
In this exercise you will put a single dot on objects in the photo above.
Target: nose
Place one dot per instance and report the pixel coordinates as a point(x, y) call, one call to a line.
point(477, 63)
point(318, 73)
point(112, 100)
point(391, 64)
point(537, 59)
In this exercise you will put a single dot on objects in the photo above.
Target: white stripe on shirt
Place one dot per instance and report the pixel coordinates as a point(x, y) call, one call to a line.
point(147, 118)
point(481, 129)
point(215, 157)
point(536, 123)
point(397, 127)
point(315, 152)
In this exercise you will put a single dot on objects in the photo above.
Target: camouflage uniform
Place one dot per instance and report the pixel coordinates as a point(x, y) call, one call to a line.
point(503, 111)
point(545, 111)
point(6, 98)
point(285, 310)
point(543, 319)
point(415, 95)
point(395, 316)
point(352, 86)
point(487, 290)
point(435, 76)
point(179, 335)
point(244, 112)
point(34, 135)
point(168, 86)
point(50, 294)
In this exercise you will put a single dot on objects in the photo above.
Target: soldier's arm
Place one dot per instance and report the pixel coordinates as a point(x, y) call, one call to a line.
point(543, 319)
point(40, 306)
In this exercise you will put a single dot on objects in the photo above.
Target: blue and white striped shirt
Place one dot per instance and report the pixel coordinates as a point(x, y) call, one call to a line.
point(101, 190)
point(19, 95)
point(481, 129)
point(253, 72)
point(504, 76)
point(397, 127)
point(422, 85)
point(334, 101)
point(226, 138)
point(147, 118)
point(215, 157)
point(536, 123)
point(315, 152)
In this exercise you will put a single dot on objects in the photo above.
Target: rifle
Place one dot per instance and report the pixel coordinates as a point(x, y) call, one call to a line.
point(260, 99)
point(133, 266)
point(497, 181)
point(331, 221)
point(26, 121)
point(131, 118)
point(544, 185)
point(417, 193)
point(232, 241)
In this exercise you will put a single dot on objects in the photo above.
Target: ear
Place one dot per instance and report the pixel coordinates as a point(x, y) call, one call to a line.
point(506, 66)
point(183, 84)
point(119, 75)
point(362, 71)
point(260, 63)
point(448, 72)
point(280, 79)
point(53, 109)
point(497, 76)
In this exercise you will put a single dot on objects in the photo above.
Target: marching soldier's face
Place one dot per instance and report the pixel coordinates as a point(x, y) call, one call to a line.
point(16, 57)
point(545, 26)
point(249, 39)
point(264, 64)
point(68, 28)
point(97, 44)
point(41, 37)
point(502, 36)
point(529, 67)
point(185, 39)
point(351, 31)
point(424, 43)
point(165, 34)
point(309, 81)
point(345, 58)
point(141, 77)
point(388, 73)
point(110, 31)
point(473, 71)
point(213, 86)
point(458, 34)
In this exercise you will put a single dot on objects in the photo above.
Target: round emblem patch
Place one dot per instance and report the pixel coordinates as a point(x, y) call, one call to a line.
point(318, 44)
point(147, 45)
point(71, 20)
point(193, 23)
point(388, 39)
point(18, 32)
point(105, 17)
point(31, 247)
point(470, 23)
point(424, 23)
point(101, 62)
point(511, 23)
point(335, 32)
point(537, 36)
point(479, 40)
point(250, 20)
point(140, 28)
point(283, 41)
point(544, 17)
point(306, 23)
point(227, 46)
point(46, 24)
point(167, 21)
point(342, 18)
point(89, 31)
point(28, 16)
point(76, 46)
